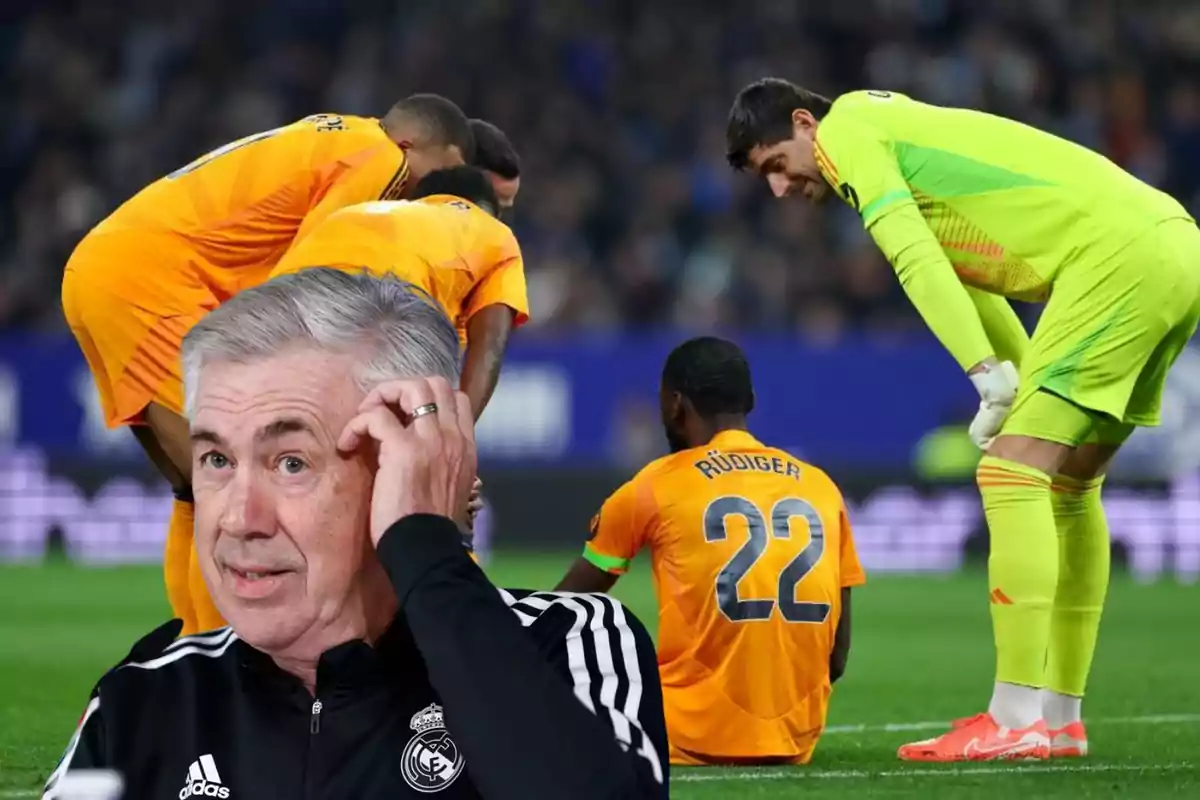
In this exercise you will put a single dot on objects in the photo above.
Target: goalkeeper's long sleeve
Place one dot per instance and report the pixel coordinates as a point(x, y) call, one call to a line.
point(932, 285)
point(1003, 327)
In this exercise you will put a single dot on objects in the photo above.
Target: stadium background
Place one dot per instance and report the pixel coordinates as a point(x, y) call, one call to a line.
point(636, 235)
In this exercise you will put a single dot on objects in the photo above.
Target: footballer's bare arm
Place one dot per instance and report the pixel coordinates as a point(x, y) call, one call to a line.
point(584, 576)
point(841, 641)
point(487, 339)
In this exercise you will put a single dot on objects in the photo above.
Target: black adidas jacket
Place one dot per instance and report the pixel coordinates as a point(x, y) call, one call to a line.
point(472, 692)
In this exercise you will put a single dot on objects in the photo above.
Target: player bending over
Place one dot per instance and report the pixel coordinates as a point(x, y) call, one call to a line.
point(450, 243)
point(970, 209)
point(753, 561)
point(191, 240)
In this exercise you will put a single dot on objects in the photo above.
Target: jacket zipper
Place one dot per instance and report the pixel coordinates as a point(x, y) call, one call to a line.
point(314, 727)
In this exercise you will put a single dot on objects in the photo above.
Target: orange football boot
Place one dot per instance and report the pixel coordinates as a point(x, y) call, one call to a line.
point(1069, 741)
point(981, 738)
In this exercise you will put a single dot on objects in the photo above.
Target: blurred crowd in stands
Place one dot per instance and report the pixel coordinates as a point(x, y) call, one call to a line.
point(629, 215)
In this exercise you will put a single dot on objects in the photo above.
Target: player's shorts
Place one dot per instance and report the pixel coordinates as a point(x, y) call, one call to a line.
point(1110, 333)
point(129, 298)
point(705, 726)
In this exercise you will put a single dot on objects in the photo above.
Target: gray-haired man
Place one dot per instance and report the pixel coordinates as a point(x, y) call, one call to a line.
point(368, 656)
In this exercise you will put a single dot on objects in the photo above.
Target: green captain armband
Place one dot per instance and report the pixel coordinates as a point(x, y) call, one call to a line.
point(611, 564)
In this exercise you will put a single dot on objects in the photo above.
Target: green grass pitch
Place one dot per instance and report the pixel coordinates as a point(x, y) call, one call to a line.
point(921, 654)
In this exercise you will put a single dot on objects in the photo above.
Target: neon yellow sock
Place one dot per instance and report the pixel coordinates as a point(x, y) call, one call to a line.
point(1084, 556)
point(1022, 567)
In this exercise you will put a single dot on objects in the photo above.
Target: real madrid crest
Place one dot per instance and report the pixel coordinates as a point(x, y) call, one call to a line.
point(431, 760)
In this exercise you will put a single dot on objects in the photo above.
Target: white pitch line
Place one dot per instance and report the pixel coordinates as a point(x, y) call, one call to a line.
point(802, 774)
point(897, 727)
point(15, 793)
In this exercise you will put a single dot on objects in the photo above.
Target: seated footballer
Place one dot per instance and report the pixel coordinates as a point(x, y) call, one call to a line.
point(367, 655)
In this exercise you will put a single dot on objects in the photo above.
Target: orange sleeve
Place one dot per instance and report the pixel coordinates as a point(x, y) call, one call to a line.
point(619, 530)
point(379, 173)
point(851, 570)
point(505, 284)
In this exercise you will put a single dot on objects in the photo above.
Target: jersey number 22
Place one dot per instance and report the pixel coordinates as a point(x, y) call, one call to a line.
point(760, 527)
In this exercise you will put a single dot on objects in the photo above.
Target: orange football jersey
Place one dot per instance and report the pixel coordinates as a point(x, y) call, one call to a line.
point(750, 551)
point(242, 204)
point(462, 256)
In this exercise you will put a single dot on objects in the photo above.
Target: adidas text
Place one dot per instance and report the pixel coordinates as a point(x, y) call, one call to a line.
point(201, 788)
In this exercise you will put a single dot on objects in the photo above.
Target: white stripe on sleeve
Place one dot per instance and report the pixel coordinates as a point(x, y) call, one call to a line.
point(65, 764)
point(599, 685)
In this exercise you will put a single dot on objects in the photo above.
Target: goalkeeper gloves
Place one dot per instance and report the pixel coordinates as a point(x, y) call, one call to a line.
point(997, 387)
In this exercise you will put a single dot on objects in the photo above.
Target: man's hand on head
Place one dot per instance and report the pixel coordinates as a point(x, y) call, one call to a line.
point(425, 434)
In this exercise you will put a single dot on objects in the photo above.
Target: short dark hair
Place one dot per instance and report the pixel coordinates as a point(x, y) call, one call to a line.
point(444, 122)
point(469, 183)
point(494, 151)
point(712, 374)
point(762, 115)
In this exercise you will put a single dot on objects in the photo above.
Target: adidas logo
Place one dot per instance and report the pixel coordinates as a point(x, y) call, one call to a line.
point(203, 780)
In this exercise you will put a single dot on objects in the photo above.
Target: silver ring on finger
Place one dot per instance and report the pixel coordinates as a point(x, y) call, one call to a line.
point(421, 411)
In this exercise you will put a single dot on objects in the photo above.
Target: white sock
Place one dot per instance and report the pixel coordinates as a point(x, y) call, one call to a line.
point(1061, 710)
point(1015, 706)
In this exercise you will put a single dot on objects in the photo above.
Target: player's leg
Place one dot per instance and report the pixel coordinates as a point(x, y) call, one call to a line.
point(1084, 552)
point(1046, 543)
point(165, 435)
point(1084, 546)
point(130, 333)
point(108, 335)
point(87, 309)
point(1094, 368)
point(1015, 480)
point(154, 387)
point(1101, 328)
point(165, 438)
point(177, 550)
